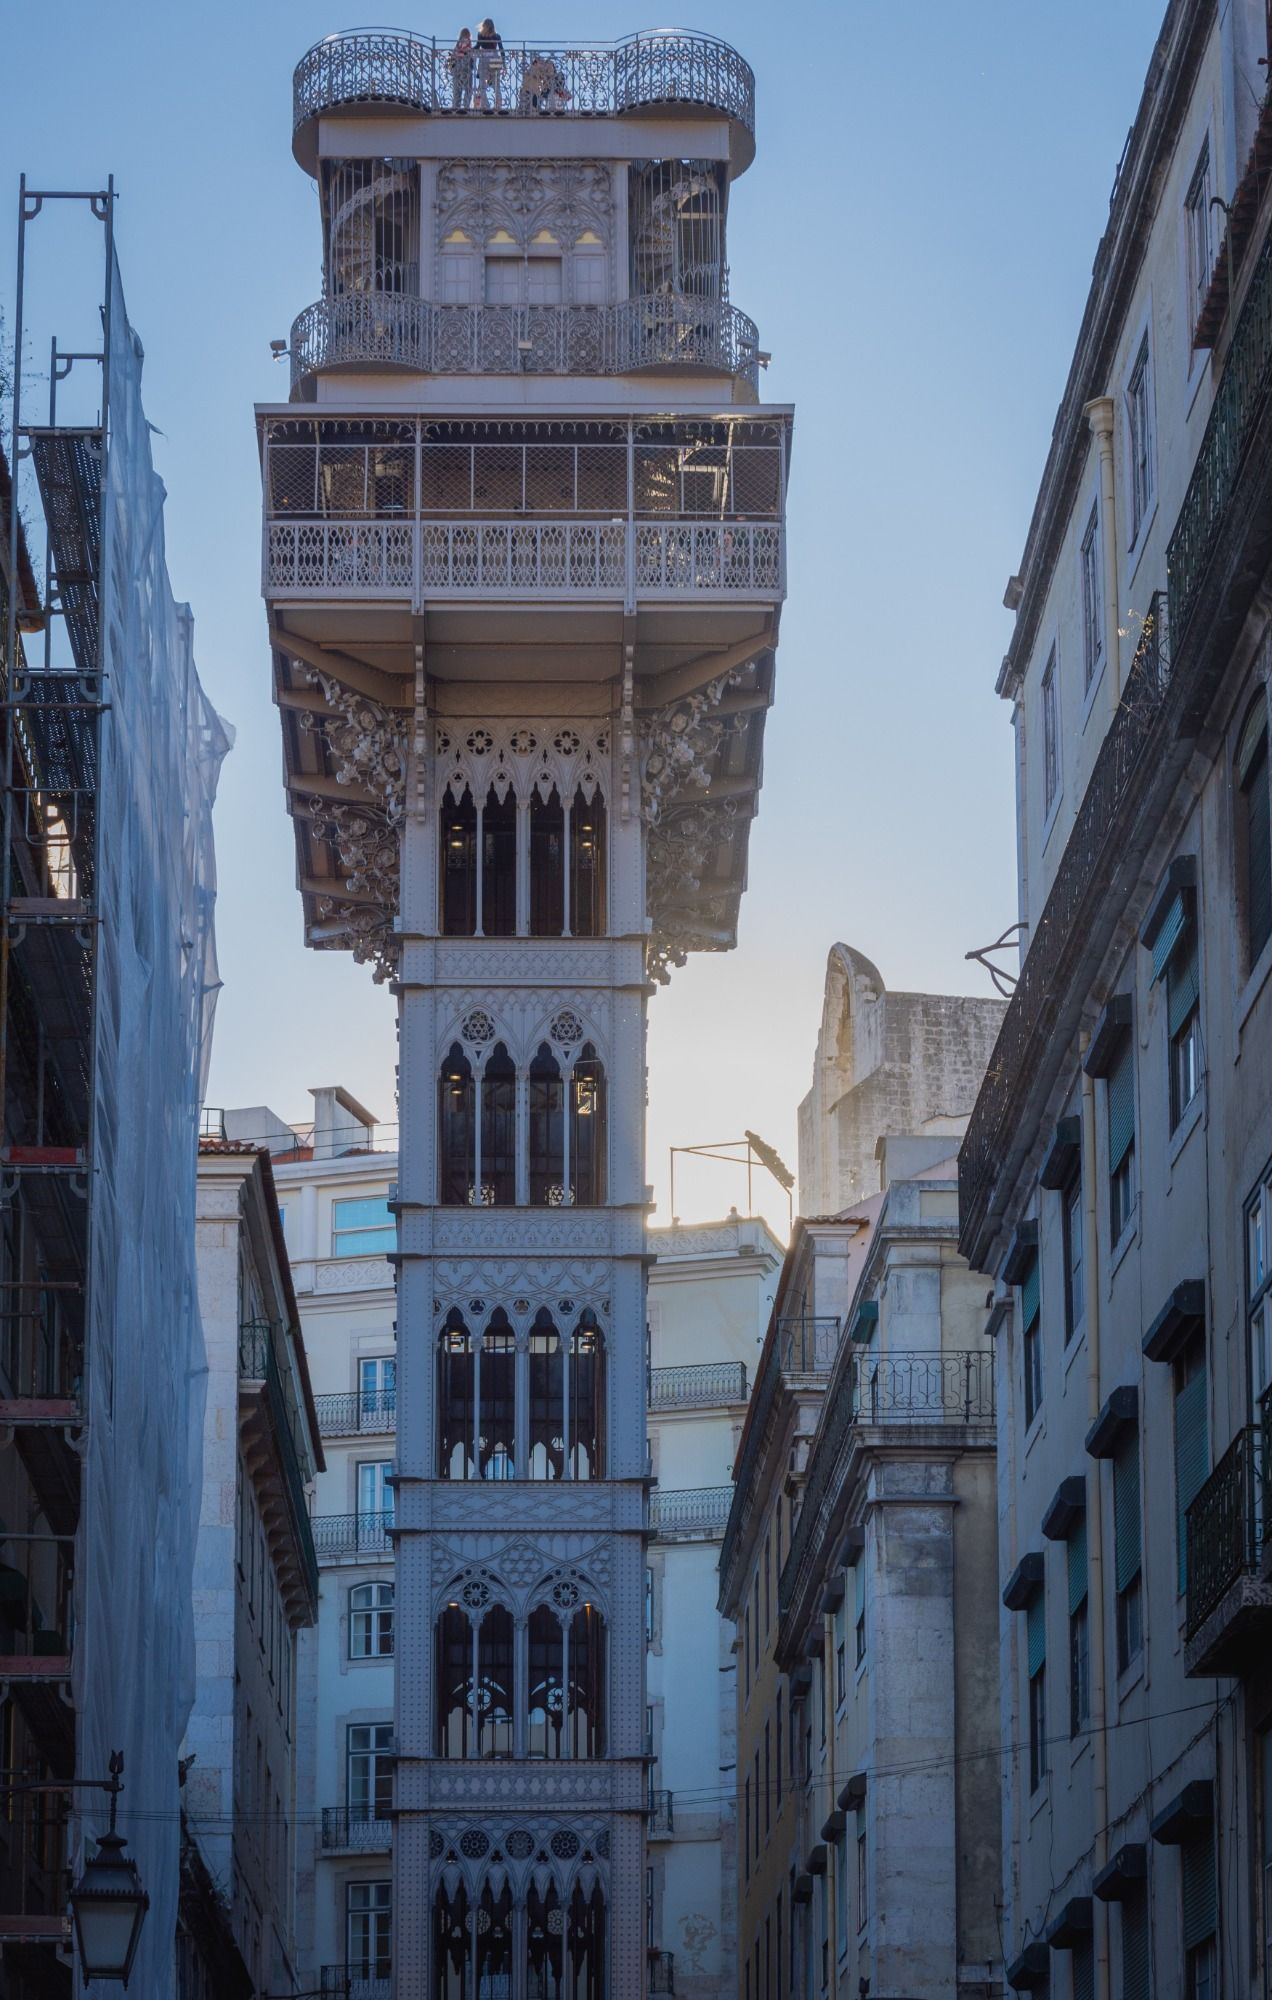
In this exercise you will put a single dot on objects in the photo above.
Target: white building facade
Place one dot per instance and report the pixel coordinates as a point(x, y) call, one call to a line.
point(523, 564)
point(710, 1292)
point(1114, 1173)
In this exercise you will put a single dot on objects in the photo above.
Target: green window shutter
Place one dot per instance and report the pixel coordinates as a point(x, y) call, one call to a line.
point(1169, 935)
point(1036, 1632)
point(1192, 1458)
point(1126, 1511)
point(1076, 1549)
point(1083, 1974)
point(1030, 1294)
point(1183, 984)
point(1136, 1962)
point(1121, 1104)
point(1199, 1889)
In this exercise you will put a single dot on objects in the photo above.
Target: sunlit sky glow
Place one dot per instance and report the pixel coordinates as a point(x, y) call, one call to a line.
point(914, 240)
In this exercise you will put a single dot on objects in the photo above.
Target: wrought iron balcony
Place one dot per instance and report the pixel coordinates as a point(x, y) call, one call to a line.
point(348, 1830)
point(662, 1971)
point(808, 1344)
point(696, 1510)
point(384, 68)
point(1243, 391)
point(697, 1383)
point(352, 1537)
point(353, 1982)
point(1080, 883)
point(397, 330)
point(908, 1389)
point(661, 1816)
point(1229, 1601)
point(802, 1349)
point(352, 1414)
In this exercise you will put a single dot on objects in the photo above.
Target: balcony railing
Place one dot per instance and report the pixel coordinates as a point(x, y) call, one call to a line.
point(350, 1982)
point(360, 1832)
point(908, 1389)
point(398, 330)
point(257, 1363)
point(480, 560)
point(1225, 1526)
point(351, 1413)
point(1085, 869)
point(692, 1510)
point(388, 68)
point(662, 1972)
point(1243, 390)
point(353, 1535)
point(803, 1345)
point(697, 1383)
point(662, 1820)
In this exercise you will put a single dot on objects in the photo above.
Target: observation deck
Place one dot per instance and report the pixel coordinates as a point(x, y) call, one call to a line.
point(388, 71)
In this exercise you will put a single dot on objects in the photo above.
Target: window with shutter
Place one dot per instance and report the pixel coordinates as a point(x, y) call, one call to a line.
point(1036, 1632)
point(1254, 832)
point(1136, 1955)
point(1192, 1449)
point(1121, 1104)
point(1079, 1640)
point(1127, 1549)
point(1198, 1889)
point(1083, 1972)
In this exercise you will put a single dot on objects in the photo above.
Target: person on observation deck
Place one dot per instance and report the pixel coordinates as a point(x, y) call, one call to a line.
point(460, 64)
point(490, 65)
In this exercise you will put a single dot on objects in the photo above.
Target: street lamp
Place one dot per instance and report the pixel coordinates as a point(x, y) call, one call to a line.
point(108, 1903)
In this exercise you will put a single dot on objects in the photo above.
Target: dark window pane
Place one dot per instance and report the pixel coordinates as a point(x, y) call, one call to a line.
point(459, 867)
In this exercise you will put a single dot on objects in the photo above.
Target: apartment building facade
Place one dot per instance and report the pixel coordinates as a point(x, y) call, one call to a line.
point(710, 1289)
point(256, 1589)
point(523, 567)
point(1114, 1174)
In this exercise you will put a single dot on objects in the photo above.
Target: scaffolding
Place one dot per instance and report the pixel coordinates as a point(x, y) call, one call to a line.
point(110, 753)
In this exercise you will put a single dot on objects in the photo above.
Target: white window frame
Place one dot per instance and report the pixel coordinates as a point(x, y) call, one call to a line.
point(1199, 236)
point(1049, 706)
point(1091, 595)
point(1139, 398)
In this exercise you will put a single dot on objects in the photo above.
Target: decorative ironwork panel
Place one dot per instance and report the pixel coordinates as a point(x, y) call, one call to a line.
point(697, 1509)
point(709, 1382)
point(351, 1414)
point(1225, 1526)
point(352, 1535)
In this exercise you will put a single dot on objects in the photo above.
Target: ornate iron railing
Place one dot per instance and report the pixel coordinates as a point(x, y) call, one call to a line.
point(697, 1382)
point(397, 330)
point(905, 1388)
point(662, 1972)
point(680, 559)
point(1225, 1526)
point(801, 1346)
point(662, 1818)
point(349, 1413)
point(693, 1509)
point(384, 66)
point(353, 1534)
point(1081, 879)
point(257, 1362)
point(1243, 390)
point(351, 1982)
point(363, 1832)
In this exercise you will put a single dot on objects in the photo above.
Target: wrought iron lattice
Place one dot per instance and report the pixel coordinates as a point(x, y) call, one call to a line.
point(381, 66)
point(396, 329)
point(1226, 1524)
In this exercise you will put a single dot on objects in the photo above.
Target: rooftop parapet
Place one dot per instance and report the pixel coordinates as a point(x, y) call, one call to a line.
point(390, 70)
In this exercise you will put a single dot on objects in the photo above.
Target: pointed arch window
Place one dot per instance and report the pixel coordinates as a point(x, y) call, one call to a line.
point(546, 1129)
point(456, 1122)
point(496, 1452)
point(585, 1424)
point(585, 1940)
point(458, 866)
point(474, 1681)
point(546, 1677)
point(494, 1941)
point(545, 1943)
point(587, 873)
point(585, 1684)
point(496, 1172)
point(451, 1936)
point(546, 1361)
point(588, 1129)
point(547, 865)
point(453, 1684)
point(495, 1665)
point(456, 1400)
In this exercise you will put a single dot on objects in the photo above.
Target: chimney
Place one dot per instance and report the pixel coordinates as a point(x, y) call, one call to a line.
point(341, 1124)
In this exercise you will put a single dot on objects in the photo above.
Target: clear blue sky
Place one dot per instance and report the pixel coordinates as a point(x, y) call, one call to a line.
point(914, 240)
